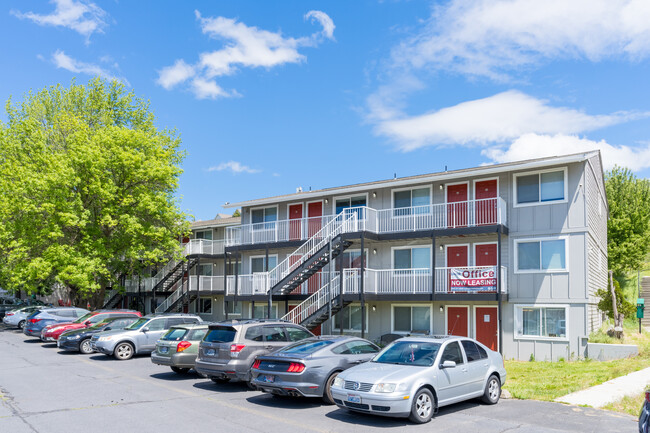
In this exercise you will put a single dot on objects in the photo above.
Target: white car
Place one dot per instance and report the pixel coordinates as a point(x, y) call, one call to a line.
point(414, 376)
point(18, 316)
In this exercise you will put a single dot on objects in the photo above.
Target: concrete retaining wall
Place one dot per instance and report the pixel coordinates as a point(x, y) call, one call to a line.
point(607, 352)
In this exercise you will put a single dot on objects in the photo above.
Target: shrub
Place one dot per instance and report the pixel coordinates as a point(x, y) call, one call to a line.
point(624, 307)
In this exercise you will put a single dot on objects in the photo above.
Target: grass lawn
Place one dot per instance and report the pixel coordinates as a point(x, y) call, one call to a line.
point(539, 380)
point(630, 405)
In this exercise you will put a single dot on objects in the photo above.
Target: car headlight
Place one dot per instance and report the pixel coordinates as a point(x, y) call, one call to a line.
point(73, 337)
point(338, 382)
point(107, 338)
point(385, 387)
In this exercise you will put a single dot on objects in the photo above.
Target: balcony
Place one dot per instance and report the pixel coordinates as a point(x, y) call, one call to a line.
point(471, 213)
point(465, 280)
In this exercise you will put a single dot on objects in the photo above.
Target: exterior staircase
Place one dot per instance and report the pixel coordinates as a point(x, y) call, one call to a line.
point(180, 298)
point(174, 272)
point(113, 299)
point(645, 294)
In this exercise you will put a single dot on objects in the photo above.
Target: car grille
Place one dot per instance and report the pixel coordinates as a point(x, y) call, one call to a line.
point(381, 408)
point(357, 405)
point(358, 386)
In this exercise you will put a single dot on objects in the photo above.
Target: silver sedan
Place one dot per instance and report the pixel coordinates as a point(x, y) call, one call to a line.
point(308, 367)
point(414, 376)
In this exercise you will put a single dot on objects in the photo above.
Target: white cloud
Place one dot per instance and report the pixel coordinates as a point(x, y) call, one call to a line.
point(83, 17)
point(235, 167)
point(63, 61)
point(244, 47)
point(492, 38)
point(530, 146)
point(497, 118)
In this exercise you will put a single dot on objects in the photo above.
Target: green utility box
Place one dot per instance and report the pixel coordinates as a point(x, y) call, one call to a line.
point(640, 305)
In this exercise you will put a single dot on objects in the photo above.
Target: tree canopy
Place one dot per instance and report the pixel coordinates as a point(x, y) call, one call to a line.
point(87, 185)
point(628, 227)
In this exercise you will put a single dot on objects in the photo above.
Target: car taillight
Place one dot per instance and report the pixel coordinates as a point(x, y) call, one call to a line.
point(296, 367)
point(647, 396)
point(9, 314)
point(182, 346)
point(34, 320)
point(257, 363)
point(235, 349)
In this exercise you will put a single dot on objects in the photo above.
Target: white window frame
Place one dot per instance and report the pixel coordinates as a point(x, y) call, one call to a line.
point(204, 231)
point(211, 305)
point(408, 247)
point(262, 256)
point(334, 328)
point(275, 305)
point(447, 316)
point(496, 307)
point(518, 316)
point(341, 197)
point(475, 181)
point(515, 203)
point(277, 213)
point(198, 270)
point(392, 317)
point(241, 309)
point(540, 240)
point(411, 188)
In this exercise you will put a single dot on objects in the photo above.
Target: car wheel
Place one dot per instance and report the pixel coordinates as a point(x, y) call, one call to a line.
point(180, 370)
point(220, 379)
point(492, 390)
point(422, 407)
point(21, 325)
point(84, 347)
point(327, 392)
point(123, 351)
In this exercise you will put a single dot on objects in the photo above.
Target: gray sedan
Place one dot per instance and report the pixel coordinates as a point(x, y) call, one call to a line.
point(309, 367)
point(414, 376)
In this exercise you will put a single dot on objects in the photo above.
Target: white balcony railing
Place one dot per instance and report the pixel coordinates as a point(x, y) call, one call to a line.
point(471, 213)
point(206, 283)
point(471, 279)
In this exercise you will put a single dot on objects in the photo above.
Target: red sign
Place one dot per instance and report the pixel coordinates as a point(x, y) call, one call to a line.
point(474, 279)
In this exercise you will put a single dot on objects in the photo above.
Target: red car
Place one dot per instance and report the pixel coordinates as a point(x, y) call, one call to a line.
point(52, 332)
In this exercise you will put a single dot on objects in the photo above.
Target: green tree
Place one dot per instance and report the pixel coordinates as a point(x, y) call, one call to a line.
point(623, 306)
point(87, 186)
point(628, 227)
point(236, 213)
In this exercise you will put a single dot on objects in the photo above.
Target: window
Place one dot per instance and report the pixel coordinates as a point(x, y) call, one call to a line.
point(355, 348)
point(175, 334)
point(173, 321)
point(274, 333)
point(541, 321)
point(231, 307)
point(452, 353)
point(412, 258)
point(266, 215)
point(205, 270)
point(541, 255)
point(156, 325)
point(221, 334)
point(254, 333)
point(348, 202)
point(540, 187)
point(471, 351)
point(412, 319)
point(258, 263)
point(297, 334)
point(205, 305)
point(232, 265)
point(207, 235)
point(197, 334)
point(404, 200)
point(260, 311)
point(350, 317)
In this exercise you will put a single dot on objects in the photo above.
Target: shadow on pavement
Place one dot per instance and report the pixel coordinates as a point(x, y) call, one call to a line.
point(234, 387)
point(285, 402)
point(175, 377)
point(366, 419)
point(49, 345)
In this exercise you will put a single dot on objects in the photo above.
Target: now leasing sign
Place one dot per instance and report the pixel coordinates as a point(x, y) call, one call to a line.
point(473, 279)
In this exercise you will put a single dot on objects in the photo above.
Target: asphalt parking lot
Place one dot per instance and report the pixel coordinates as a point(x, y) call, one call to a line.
point(47, 391)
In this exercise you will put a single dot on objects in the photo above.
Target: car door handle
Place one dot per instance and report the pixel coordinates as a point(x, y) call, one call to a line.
point(268, 347)
point(360, 361)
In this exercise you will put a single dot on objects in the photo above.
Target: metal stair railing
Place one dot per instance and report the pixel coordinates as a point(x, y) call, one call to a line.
point(314, 303)
point(171, 299)
point(194, 246)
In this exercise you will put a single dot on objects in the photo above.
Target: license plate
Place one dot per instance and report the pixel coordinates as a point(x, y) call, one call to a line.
point(209, 352)
point(266, 378)
point(164, 349)
point(353, 398)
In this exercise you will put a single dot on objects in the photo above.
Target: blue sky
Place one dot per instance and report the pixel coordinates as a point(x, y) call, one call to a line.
point(271, 96)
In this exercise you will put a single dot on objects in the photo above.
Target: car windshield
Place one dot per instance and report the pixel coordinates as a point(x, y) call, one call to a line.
point(419, 353)
point(138, 324)
point(100, 325)
point(220, 334)
point(306, 347)
point(83, 318)
point(174, 334)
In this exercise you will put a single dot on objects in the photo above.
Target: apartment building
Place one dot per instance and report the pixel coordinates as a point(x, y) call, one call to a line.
point(510, 254)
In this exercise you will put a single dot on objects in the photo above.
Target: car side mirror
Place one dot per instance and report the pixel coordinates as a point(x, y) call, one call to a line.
point(87, 323)
point(145, 329)
point(108, 328)
point(448, 364)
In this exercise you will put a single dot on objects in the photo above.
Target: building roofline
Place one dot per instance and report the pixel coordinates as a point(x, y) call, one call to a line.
point(431, 177)
point(219, 222)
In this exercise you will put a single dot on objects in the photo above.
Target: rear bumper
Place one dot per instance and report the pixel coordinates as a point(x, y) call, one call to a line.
point(234, 370)
point(182, 360)
point(284, 387)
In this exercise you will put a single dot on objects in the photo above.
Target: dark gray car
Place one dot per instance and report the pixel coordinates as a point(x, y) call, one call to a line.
point(229, 348)
point(308, 368)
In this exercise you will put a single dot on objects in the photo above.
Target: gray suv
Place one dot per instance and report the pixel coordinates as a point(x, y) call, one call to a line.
point(140, 337)
point(229, 348)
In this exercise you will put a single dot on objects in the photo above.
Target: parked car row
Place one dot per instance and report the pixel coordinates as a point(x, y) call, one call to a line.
point(411, 377)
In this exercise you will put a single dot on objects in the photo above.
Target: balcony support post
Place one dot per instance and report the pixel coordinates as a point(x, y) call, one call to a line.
point(362, 287)
point(198, 284)
point(236, 277)
point(433, 269)
point(266, 269)
point(329, 286)
point(499, 289)
point(339, 260)
point(226, 261)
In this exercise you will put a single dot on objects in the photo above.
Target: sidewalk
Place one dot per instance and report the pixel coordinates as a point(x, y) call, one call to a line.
point(610, 391)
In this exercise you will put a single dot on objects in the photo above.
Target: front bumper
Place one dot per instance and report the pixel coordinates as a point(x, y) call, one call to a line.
point(390, 404)
point(72, 345)
point(105, 347)
point(182, 360)
point(235, 369)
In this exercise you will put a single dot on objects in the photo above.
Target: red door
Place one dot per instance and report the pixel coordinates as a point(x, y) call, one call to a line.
point(295, 222)
point(314, 212)
point(457, 205)
point(457, 321)
point(486, 255)
point(487, 331)
point(456, 258)
point(486, 203)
